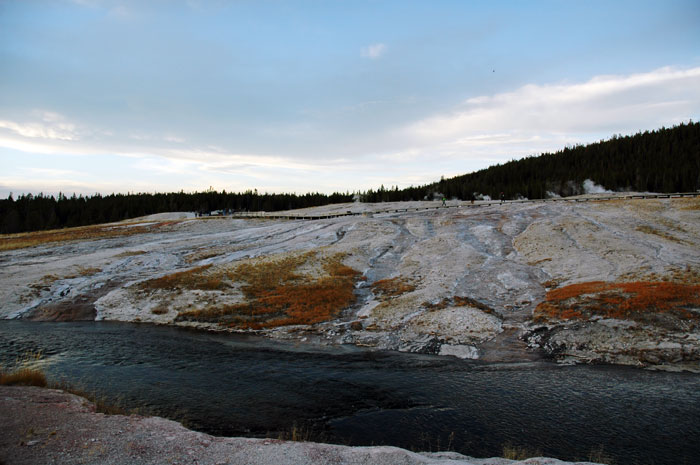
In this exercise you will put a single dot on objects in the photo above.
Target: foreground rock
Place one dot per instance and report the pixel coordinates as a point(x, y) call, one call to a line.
point(497, 282)
point(44, 426)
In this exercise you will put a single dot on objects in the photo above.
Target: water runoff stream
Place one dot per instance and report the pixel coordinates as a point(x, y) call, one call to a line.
point(237, 385)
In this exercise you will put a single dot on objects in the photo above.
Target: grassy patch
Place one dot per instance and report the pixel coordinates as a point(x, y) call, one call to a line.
point(160, 309)
point(598, 455)
point(130, 253)
point(459, 301)
point(685, 275)
point(201, 255)
point(661, 303)
point(279, 293)
point(513, 452)
point(392, 287)
point(82, 271)
point(209, 252)
point(83, 233)
point(646, 229)
point(44, 284)
point(102, 404)
point(670, 224)
point(689, 203)
point(537, 262)
point(194, 278)
point(24, 372)
point(552, 283)
point(675, 274)
point(297, 433)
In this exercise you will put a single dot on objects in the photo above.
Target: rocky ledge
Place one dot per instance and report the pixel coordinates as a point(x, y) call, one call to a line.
point(46, 426)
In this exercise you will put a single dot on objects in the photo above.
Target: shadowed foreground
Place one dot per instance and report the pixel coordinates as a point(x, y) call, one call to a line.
point(51, 426)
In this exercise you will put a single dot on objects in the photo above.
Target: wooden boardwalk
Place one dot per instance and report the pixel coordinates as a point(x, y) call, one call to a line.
point(480, 203)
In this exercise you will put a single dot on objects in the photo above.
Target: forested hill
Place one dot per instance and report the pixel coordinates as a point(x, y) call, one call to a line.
point(40, 212)
point(665, 160)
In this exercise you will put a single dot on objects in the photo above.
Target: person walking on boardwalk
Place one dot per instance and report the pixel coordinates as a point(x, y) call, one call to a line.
point(443, 201)
point(503, 198)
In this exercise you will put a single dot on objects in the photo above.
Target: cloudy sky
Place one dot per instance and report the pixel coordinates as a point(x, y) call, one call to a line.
point(117, 96)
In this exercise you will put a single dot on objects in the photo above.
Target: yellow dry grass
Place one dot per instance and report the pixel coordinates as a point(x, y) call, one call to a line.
point(160, 309)
point(24, 372)
point(23, 377)
point(279, 293)
point(514, 452)
point(201, 255)
point(458, 301)
point(130, 253)
point(646, 229)
point(688, 203)
point(647, 205)
point(45, 282)
point(209, 252)
point(674, 274)
point(87, 271)
point(392, 287)
point(82, 233)
point(194, 278)
point(670, 224)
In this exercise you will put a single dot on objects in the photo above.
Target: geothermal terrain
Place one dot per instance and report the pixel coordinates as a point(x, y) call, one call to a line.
point(614, 281)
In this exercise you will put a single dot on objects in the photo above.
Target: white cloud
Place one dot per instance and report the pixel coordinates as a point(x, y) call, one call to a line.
point(121, 12)
point(53, 172)
point(52, 186)
point(87, 3)
point(374, 51)
point(476, 133)
point(543, 117)
point(47, 125)
point(173, 138)
point(50, 133)
point(533, 119)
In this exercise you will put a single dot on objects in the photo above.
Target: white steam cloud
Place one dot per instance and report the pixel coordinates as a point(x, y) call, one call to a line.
point(590, 187)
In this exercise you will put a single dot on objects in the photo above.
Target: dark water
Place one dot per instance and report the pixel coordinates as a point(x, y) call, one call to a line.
point(237, 385)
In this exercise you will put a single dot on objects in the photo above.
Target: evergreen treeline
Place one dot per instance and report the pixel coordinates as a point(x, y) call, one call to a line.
point(665, 160)
point(40, 212)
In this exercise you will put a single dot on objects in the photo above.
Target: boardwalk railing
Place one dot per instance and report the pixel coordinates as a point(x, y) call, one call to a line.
point(480, 203)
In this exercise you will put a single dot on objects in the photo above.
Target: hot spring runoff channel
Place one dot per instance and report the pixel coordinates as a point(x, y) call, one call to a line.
point(234, 385)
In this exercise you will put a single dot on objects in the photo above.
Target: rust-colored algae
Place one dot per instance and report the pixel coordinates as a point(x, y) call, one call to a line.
point(658, 302)
point(278, 294)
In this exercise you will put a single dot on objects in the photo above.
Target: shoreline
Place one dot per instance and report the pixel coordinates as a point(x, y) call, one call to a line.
point(494, 352)
point(51, 426)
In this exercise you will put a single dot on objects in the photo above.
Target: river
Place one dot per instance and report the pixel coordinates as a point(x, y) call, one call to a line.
point(238, 385)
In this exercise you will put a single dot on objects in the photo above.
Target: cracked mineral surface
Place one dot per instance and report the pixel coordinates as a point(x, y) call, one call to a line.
point(472, 281)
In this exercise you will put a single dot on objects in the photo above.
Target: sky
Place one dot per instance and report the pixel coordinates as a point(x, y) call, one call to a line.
point(100, 96)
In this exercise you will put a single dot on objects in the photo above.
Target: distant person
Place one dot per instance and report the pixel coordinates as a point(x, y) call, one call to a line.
point(503, 198)
point(443, 201)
